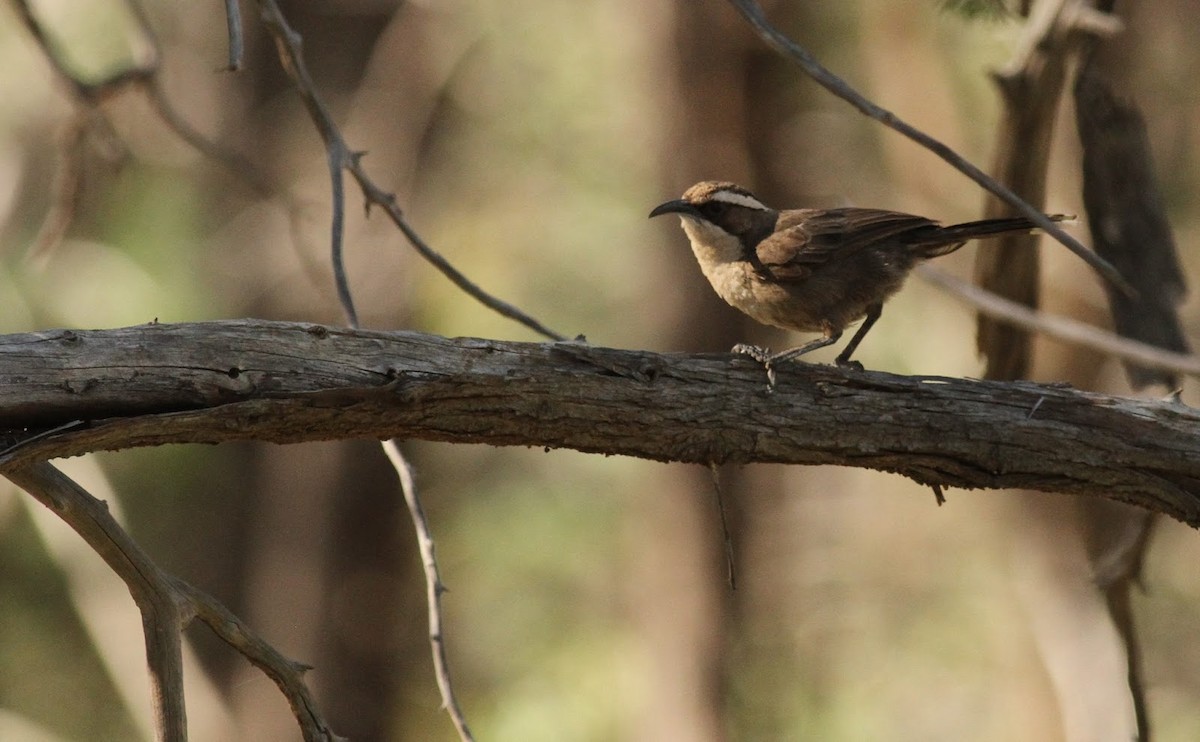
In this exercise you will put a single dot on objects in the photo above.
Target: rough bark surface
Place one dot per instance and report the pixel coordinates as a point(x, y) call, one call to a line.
point(67, 392)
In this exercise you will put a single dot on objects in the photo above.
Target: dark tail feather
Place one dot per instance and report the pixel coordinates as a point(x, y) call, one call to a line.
point(943, 240)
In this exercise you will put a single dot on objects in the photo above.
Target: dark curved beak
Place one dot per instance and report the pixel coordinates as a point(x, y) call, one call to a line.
point(678, 206)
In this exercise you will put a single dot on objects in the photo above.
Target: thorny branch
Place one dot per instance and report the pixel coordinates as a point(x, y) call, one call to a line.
point(433, 587)
point(167, 605)
point(289, 45)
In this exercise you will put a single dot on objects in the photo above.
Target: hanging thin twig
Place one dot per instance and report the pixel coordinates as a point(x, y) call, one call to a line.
point(434, 588)
point(715, 470)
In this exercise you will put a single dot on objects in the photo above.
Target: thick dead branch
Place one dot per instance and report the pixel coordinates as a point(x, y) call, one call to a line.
point(281, 382)
point(162, 618)
point(167, 605)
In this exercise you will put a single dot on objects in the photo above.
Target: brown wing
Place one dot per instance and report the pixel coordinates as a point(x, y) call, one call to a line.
point(806, 239)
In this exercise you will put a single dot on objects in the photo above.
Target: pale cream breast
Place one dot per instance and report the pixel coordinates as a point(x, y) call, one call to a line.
point(720, 257)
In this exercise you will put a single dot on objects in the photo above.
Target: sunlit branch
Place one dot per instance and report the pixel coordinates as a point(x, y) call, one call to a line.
point(1060, 328)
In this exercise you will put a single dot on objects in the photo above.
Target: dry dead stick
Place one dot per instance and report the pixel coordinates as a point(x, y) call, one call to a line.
point(167, 605)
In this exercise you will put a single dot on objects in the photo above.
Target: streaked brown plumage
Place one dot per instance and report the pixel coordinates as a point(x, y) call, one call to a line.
point(812, 270)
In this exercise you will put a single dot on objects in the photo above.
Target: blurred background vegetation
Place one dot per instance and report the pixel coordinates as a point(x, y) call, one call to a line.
point(527, 140)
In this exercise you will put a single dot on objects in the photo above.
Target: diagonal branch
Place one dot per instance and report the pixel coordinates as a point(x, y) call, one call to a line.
point(167, 605)
point(287, 674)
point(1059, 327)
point(162, 619)
point(839, 87)
point(289, 45)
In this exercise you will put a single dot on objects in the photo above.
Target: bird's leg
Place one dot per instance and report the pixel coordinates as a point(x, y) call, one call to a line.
point(843, 358)
point(769, 360)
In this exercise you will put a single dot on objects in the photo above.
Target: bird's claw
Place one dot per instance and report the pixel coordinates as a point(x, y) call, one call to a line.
point(757, 352)
point(763, 356)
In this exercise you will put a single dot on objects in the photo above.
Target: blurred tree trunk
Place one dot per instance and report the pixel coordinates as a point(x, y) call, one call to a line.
point(1080, 559)
point(728, 99)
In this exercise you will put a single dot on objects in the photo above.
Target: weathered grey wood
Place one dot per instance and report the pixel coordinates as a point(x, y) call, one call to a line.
point(272, 381)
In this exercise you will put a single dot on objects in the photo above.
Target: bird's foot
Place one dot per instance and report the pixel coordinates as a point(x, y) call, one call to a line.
point(757, 352)
point(763, 356)
point(847, 363)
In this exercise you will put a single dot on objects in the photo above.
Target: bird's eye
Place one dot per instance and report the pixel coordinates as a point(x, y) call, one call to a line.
point(714, 210)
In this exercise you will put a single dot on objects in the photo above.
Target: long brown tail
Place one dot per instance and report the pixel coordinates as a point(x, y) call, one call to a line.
point(943, 240)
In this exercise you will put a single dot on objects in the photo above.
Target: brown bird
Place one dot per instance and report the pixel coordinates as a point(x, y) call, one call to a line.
point(812, 270)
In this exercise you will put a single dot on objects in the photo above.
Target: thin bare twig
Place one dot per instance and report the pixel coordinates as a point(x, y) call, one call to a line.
point(839, 87)
point(287, 674)
point(88, 96)
point(715, 470)
point(289, 45)
point(1060, 328)
point(434, 587)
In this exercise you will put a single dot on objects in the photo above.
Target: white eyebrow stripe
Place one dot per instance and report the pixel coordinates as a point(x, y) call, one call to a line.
point(738, 199)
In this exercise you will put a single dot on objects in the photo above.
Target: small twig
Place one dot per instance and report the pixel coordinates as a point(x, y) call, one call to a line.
point(289, 44)
point(337, 228)
point(1061, 328)
point(287, 674)
point(88, 95)
point(233, 19)
point(839, 87)
point(715, 470)
point(938, 495)
point(230, 159)
point(433, 585)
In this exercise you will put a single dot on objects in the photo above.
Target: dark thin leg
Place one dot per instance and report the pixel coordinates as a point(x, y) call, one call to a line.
point(843, 358)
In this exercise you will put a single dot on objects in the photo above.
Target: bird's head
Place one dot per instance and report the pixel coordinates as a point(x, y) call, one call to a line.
point(717, 207)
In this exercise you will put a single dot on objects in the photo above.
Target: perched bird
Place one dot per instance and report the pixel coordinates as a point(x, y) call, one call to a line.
point(812, 270)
